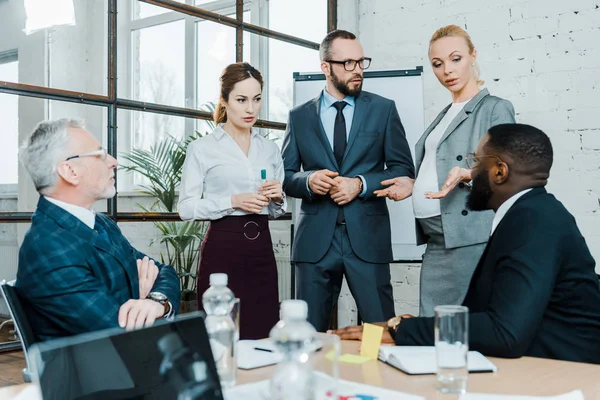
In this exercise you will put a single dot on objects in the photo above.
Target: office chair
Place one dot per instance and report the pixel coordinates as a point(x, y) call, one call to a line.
point(19, 318)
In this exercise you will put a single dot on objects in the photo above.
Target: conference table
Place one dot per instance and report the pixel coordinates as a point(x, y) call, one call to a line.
point(522, 376)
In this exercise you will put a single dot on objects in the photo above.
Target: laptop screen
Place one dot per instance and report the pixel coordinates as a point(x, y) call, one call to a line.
point(169, 360)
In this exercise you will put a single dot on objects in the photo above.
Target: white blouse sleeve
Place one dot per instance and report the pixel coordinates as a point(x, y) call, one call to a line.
point(277, 210)
point(191, 205)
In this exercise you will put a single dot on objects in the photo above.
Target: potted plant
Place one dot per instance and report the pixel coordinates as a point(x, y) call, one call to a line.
point(162, 166)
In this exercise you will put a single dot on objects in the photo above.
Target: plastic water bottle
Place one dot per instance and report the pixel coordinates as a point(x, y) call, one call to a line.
point(294, 336)
point(218, 301)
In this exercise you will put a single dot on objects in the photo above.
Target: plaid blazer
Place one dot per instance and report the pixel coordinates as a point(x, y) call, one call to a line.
point(72, 280)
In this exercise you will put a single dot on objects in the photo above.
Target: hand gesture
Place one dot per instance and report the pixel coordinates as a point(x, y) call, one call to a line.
point(147, 273)
point(345, 190)
point(321, 181)
point(400, 189)
point(272, 190)
point(249, 202)
point(456, 175)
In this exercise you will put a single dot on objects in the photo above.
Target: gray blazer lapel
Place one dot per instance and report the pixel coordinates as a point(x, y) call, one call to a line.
point(318, 126)
point(420, 146)
point(464, 113)
point(360, 112)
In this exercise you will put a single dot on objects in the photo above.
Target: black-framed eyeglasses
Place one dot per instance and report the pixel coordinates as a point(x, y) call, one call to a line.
point(472, 160)
point(350, 65)
point(102, 153)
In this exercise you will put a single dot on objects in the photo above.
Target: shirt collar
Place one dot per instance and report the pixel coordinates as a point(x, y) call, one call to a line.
point(504, 207)
point(85, 215)
point(328, 100)
point(219, 132)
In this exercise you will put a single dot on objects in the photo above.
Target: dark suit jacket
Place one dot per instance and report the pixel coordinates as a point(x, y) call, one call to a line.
point(462, 136)
point(72, 281)
point(534, 292)
point(377, 149)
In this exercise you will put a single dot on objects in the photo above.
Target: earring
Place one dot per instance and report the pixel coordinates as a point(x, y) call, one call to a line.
point(472, 64)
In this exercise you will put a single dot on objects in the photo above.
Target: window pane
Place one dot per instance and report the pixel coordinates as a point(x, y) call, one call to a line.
point(149, 130)
point(9, 115)
point(145, 10)
point(216, 50)
point(200, 2)
point(306, 19)
point(29, 113)
point(284, 60)
point(69, 57)
point(159, 64)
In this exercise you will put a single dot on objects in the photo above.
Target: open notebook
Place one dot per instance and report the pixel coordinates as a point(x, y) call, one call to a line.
point(415, 360)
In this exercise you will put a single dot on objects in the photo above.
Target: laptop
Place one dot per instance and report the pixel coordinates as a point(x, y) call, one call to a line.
point(169, 360)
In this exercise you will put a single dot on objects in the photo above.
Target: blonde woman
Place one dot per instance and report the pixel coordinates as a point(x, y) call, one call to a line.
point(455, 236)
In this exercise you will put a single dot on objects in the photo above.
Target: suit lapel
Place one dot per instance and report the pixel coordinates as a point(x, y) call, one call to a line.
point(116, 248)
point(360, 112)
point(318, 126)
point(464, 114)
point(420, 146)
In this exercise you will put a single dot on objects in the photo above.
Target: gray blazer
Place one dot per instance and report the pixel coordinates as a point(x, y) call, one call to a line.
point(463, 227)
point(377, 149)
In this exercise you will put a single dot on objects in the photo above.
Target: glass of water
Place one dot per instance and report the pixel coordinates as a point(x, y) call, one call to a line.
point(451, 348)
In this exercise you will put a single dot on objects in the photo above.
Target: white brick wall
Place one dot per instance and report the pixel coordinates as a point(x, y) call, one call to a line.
point(543, 55)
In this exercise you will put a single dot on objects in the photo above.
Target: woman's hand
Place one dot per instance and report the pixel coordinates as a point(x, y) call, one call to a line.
point(249, 202)
point(272, 190)
point(401, 188)
point(456, 175)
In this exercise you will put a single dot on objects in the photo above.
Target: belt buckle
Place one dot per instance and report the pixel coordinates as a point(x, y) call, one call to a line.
point(257, 235)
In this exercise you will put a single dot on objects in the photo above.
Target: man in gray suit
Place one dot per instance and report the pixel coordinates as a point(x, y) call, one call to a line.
point(338, 148)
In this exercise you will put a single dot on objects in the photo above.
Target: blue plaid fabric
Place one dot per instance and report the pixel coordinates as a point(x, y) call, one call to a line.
point(72, 280)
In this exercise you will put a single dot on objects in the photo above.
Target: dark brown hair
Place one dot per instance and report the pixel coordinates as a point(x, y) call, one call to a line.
point(325, 47)
point(231, 75)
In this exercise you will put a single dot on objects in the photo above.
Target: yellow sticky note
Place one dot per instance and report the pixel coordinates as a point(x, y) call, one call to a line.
point(371, 340)
point(353, 359)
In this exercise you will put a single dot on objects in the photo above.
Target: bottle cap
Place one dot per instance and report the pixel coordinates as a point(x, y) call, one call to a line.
point(294, 309)
point(218, 279)
point(263, 174)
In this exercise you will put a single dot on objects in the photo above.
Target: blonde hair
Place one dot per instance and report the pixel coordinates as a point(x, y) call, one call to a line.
point(457, 31)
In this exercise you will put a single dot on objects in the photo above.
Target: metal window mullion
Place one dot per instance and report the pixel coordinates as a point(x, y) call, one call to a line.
point(111, 203)
point(261, 8)
point(239, 32)
point(331, 15)
point(190, 71)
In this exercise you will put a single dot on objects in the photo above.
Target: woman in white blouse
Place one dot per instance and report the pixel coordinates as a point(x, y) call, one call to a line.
point(455, 236)
point(233, 177)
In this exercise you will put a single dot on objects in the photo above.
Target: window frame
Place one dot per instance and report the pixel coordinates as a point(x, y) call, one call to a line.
point(113, 102)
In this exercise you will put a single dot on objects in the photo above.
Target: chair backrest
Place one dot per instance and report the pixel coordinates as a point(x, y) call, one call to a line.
point(19, 317)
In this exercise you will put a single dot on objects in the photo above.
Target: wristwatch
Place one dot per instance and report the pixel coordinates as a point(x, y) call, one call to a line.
point(160, 298)
point(392, 325)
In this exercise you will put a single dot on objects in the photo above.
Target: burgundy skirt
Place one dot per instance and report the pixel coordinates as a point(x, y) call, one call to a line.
point(241, 247)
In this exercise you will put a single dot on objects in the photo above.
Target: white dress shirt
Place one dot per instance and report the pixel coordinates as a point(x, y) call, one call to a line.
point(216, 168)
point(427, 180)
point(504, 207)
point(85, 215)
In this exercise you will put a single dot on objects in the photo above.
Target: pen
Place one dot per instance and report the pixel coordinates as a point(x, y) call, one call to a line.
point(263, 176)
point(259, 349)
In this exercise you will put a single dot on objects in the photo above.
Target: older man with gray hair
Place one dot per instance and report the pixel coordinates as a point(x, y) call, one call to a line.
point(77, 272)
